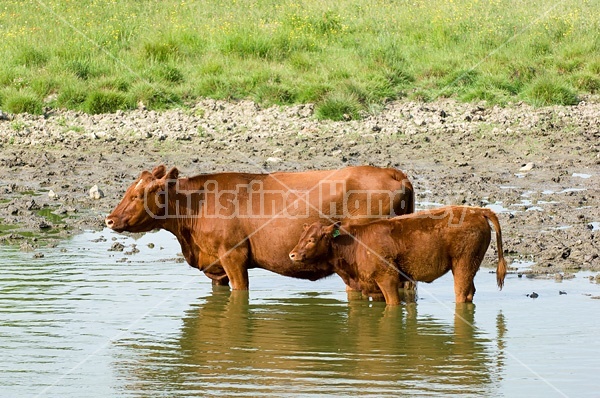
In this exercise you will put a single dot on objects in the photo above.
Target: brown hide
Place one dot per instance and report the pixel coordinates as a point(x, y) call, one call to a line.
point(227, 223)
point(419, 247)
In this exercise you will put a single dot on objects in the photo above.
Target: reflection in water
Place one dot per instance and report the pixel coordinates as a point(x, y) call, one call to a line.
point(501, 339)
point(312, 345)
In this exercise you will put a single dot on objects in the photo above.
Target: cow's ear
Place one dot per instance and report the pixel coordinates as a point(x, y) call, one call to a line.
point(144, 175)
point(169, 179)
point(172, 176)
point(159, 171)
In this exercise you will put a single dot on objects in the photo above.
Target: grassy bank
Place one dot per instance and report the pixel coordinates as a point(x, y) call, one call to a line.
point(345, 56)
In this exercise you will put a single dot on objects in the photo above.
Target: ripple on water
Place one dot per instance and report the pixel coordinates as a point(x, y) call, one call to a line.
point(582, 175)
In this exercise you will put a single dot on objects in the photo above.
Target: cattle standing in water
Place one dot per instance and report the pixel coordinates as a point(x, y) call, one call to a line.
point(227, 223)
point(420, 247)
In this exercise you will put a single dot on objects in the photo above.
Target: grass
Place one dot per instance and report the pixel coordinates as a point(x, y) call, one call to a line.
point(347, 57)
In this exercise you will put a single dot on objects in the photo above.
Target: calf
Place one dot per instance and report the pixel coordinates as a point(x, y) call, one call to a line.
point(418, 247)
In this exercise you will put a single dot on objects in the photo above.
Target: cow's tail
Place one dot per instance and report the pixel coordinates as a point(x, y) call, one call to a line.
point(407, 205)
point(501, 269)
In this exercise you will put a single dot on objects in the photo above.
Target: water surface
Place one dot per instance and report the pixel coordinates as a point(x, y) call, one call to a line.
point(88, 322)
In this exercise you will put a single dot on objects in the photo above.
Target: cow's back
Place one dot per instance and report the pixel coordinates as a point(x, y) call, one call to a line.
point(360, 194)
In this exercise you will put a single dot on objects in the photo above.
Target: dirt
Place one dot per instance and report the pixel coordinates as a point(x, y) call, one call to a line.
point(539, 168)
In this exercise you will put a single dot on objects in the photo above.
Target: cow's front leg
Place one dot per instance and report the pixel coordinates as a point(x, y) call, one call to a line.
point(235, 263)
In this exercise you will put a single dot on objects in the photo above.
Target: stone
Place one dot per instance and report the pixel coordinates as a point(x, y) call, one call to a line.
point(527, 167)
point(116, 247)
point(96, 193)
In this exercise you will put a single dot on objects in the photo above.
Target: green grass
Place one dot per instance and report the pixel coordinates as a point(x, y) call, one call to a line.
point(22, 102)
point(347, 57)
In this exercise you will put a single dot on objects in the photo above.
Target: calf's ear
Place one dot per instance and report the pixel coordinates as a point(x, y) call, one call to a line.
point(305, 226)
point(334, 230)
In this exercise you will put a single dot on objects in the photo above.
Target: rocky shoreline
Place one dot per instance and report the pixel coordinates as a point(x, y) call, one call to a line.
point(539, 168)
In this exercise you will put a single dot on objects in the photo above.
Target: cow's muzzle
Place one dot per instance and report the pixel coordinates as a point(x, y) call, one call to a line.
point(114, 223)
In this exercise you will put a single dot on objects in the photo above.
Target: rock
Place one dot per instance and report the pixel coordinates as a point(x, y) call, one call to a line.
point(151, 245)
point(44, 225)
point(38, 255)
point(52, 194)
point(26, 247)
point(533, 295)
point(561, 292)
point(527, 167)
point(273, 159)
point(5, 116)
point(96, 193)
point(31, 205)
point(117, 247)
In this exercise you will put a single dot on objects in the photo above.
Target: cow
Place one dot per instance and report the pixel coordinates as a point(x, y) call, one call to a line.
point(418, 247)
point(227, 223)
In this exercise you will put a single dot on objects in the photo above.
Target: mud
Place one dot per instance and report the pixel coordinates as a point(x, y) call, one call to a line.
point(538, 167)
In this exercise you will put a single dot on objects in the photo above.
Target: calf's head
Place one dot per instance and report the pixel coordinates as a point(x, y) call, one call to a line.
point(143, 207)
point(314, 242)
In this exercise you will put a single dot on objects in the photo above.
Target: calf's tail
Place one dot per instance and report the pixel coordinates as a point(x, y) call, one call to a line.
point(501, 269)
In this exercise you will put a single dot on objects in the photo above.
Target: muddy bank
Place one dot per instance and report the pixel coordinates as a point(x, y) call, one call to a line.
point(538, 168)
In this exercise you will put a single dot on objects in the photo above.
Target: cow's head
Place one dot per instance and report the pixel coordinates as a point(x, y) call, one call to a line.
point(315, 242)
point(143, 207)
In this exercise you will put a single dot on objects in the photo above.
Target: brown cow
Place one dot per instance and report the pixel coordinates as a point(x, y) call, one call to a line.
point(227, 223)
point(419, 247)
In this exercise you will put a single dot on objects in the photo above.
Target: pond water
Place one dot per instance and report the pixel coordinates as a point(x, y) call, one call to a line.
point(84, 322)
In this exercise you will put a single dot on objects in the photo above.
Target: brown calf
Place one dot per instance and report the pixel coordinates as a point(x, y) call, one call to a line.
point(419, 247)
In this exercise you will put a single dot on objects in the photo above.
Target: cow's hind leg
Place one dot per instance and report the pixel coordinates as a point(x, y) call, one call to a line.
point(389, 286)
point(235, 264)
point(464, 288)
point(471, 293)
